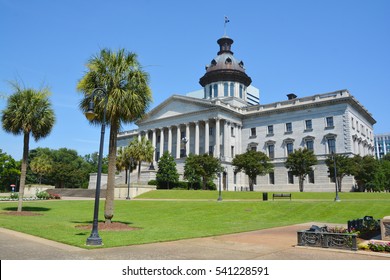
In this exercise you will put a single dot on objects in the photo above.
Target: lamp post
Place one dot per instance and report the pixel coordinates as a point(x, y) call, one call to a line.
point(94, 239)
point(128, 179)
point(337, 199)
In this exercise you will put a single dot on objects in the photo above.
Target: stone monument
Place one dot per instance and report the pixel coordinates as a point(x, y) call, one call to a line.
point(385, 228)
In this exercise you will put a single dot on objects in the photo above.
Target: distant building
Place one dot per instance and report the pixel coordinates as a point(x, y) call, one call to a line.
point(382, 145)
point(225, 119)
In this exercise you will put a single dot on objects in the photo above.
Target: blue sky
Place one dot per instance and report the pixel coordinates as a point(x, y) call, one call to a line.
point(304, 47)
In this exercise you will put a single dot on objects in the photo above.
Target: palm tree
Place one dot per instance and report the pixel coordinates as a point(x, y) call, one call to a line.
point(129, 96)
point(141, 151)
point(124, 161)
point(28, 112)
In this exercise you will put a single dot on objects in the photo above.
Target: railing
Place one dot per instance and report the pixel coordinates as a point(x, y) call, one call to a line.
point(344, 241)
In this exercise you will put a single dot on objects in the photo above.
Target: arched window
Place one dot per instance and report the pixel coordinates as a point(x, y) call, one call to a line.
point(210, 91)
point(241, 91)
point(225, 89)
point(231, 89)
point(215, 90)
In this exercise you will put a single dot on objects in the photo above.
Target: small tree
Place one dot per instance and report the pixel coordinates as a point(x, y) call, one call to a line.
point(167, 173)
point(205, 166)
point(190, 174)
point(344, 167)
point(124, 161)
point(364, 169)
point(141, 151)
point(253, 164)
point(41, 165)
point(300, 163)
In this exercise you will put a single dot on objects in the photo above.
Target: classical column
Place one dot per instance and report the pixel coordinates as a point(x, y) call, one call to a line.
point(226, 140)
point(139, 135)
point(217, 138)
point(178, 141)
point(188, 139)
point(161, 141)
point(170, 139)
point(197, 138)
point(206, 137)
point(154, 143)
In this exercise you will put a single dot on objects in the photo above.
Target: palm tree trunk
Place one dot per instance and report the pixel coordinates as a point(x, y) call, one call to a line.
point(110, 192)
point(26, 140)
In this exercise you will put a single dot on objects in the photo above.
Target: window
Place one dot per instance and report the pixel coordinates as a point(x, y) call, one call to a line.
point(253, 148)
point(241, 90)
point(308, 125)
point(271, 151)
point(270, 130)
point(310, 145)
point(353, 123)
point(331, 145)
point(215, 90)
point(290, 177)
point(288, 127)
point(232, 131)
point(311, 177)
point(232, 151)
point(211, 150)
point(290, 147)
point(210, 91)
point(329, 122)
point(253, 132)
point(211, 131)
point(204, 92)
point(225, 89)
point(231, 89)
point(272, 178)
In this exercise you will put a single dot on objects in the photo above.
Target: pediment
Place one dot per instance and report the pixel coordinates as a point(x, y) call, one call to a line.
point(177, 105)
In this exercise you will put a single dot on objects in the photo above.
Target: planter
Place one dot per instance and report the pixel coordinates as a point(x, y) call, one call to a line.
point(345, 241)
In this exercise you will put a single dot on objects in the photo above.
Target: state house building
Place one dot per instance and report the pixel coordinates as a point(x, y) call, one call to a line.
point(226, 118)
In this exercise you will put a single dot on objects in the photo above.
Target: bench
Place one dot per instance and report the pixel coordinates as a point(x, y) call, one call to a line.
point(281, 195)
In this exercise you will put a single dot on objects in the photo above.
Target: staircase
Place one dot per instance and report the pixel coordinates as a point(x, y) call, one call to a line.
point(76, 193)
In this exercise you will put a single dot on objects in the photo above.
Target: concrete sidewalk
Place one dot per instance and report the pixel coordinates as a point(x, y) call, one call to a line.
point(270, 244)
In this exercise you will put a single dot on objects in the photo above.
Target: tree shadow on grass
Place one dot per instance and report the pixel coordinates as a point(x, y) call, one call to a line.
point(28, 209)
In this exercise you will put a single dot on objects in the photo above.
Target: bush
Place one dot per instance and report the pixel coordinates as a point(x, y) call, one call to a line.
point(42, 195)
point(152, 183)
point(14, 196)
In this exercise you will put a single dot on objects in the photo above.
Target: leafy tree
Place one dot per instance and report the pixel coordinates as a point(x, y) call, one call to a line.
point(93, 159)
point(344, 167)
point(41, 165)
point(129, 96)
point(206, 166)
point(386, 157)
point(300, 163)
point(190, 173)
point(28, 112)
point(167, 173)
point(9, 171)
point(141, 151)
point(364, 169)
point(253, 164)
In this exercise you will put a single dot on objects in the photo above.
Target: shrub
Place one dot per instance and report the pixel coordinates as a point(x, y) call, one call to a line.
point(55, 196)
point(14, 196)
point(152, 183)
point(379, 247)
point(42, 195)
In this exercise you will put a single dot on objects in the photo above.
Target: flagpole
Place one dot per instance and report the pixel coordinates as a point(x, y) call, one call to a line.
point(224, 26)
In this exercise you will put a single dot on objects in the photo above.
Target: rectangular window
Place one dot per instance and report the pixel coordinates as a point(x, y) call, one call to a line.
point(232, 131)
point(329, 122)
point(308, 125)
point(254, 148)
point(270, 130)
point(290, 148)
point(253, 132)
point(331, 145)
point(272, 178)
point(310, 145)
point(353, 123)
point(271, 151)
point(232, 151)
point(289, 127)
point(290, 177)
point(225, 89)
point(211, 150)
point(311, 177)
point(211, 131)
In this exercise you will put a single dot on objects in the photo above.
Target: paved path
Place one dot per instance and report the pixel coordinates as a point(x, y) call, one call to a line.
point(269, 244)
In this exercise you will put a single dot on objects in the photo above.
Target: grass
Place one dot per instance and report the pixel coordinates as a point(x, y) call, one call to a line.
point(165, 220)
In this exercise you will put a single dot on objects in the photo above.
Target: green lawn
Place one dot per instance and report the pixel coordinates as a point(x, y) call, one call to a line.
point(163, 220)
